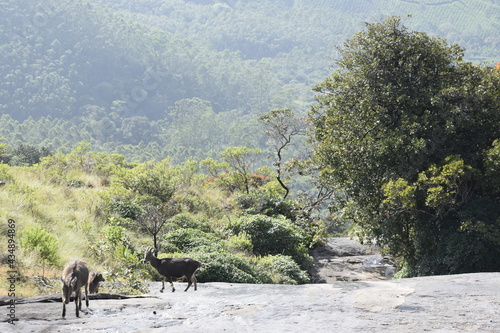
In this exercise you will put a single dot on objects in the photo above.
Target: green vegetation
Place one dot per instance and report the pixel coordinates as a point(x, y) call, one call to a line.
point(155, 79)
point(35, 240)
point(408, 135)
point(107, 211)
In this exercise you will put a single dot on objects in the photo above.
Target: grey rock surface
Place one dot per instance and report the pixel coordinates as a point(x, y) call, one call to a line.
point(345, 259)
point(455, 303)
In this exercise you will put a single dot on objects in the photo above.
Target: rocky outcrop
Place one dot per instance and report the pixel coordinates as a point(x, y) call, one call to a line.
point(345, 259)
point(375, 303)
point(455, 303)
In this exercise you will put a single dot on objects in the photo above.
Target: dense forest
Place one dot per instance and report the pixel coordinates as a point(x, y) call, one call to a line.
point(151, 79)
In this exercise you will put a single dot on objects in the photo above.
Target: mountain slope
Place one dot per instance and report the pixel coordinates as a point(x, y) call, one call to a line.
point(119, 70)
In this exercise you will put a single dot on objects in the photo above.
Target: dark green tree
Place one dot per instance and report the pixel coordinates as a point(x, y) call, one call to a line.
point(28, 155)
point(402, 129)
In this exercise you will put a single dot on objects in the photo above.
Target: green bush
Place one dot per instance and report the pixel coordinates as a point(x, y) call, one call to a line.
point(126, 209)
point(239, 244)
point(225, 267)
point(28, 155)
point(112, 238)
point(273, 236)
point(114, 251)
point(40, 241)
point(157, 180)
point(188, 240)
point(193, 201)
point(266, 204)
point(4, 172)
point(458, 253)
point(282, 270)
point(185, 220)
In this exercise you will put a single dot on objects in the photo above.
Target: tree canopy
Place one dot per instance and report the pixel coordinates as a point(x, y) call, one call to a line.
point(405, 130)
point(149, 79)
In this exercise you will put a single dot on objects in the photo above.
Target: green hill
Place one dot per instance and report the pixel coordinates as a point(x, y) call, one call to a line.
point(150, 79)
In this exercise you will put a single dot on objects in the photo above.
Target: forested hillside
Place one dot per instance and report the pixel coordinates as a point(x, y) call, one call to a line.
point(150, 79)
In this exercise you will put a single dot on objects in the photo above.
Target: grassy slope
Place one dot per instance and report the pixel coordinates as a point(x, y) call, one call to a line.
point(69, 213)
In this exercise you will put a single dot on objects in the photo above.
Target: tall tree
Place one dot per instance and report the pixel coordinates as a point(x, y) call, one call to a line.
point(402, 129)
point(281, 126)
point(154, 218)
point(240, 161)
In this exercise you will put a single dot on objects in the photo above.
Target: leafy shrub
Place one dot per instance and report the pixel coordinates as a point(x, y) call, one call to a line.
point(282, 270)
point(114, 234)
point(158, 180)
point(28, 155)
point(126, 270)
point(492, 167)
point(187, 240)
point(470, 244)
point(193, 201)
point(458, 253)
point(185, 220)
point(4, 172)
point(126, 208)
point(112, 238)
point(269, 235)
point(40, 241)
point(224, 267)
point(273, 235)
point(123, 265)
point(239, 243)
point(266, 204)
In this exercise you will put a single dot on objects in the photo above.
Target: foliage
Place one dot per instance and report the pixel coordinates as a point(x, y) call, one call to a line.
point(126, 208)
point(222, 266)
point(241, 243)
point(298, 211)
point(240, 160)
point(257, 202)
point(114, 251)
point(4, 172)
point(232, 173)
point(282, 269)
point(148, 79)
point(159, 181)
point(83, 159)
point(38, 240)
point(281, 126)
point(185, 220)
point(492, 168)
point(274, 235)
point(402, 131)
point(28, 155)
point(190, 240)
point(3, 151)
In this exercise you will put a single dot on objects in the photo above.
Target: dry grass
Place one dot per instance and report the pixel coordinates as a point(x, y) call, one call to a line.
point(32, 198)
